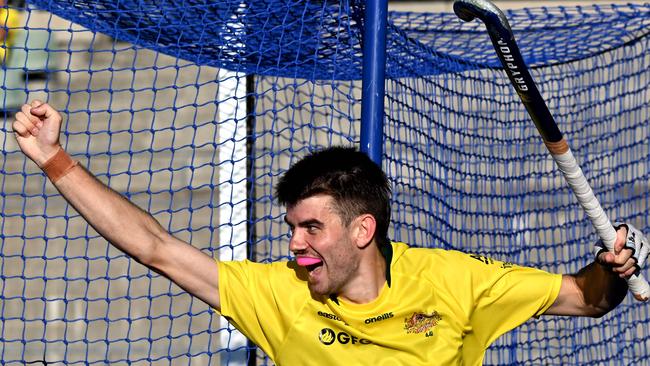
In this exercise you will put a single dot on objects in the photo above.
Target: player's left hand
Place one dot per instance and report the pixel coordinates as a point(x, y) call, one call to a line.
point(630, 251)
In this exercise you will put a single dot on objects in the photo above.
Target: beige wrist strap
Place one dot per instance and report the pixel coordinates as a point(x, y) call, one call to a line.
point(58, 165)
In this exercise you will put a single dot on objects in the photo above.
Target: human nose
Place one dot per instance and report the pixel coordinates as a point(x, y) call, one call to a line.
point(297, 244)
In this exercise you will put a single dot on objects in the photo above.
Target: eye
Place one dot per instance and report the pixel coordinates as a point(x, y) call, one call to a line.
point(312, 229)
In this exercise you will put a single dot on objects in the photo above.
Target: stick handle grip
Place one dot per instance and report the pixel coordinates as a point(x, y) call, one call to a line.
point(576, 179)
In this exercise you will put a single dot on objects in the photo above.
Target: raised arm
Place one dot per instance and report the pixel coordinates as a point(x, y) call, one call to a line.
point(123, 224)
point(600, 286)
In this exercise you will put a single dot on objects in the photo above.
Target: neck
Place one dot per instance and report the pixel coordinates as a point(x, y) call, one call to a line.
point(370, 279)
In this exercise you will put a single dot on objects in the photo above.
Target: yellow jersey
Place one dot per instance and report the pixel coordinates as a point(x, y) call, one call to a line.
point(9, 20)
point(437, 307)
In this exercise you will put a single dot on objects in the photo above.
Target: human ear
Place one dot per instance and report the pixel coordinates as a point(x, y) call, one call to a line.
point(364, 230)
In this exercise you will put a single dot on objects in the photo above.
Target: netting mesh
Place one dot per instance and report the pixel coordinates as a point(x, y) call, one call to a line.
point(151, 110)
point(471, 169)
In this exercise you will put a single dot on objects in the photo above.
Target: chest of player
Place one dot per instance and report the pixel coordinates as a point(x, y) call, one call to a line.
point(414, 335)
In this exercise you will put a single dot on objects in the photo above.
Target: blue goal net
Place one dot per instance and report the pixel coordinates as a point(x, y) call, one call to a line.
point(194, 109)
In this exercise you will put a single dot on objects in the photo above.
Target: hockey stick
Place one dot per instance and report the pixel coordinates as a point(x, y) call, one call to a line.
point(506, 47)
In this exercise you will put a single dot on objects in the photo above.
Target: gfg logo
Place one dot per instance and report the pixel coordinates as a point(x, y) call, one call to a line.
point(328, 336)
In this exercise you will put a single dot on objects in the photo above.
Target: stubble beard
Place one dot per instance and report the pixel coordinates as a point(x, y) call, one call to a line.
point(332, 282)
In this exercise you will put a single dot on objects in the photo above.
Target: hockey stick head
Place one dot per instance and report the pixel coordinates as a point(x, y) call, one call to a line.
point(487, 12)
point(512, 61)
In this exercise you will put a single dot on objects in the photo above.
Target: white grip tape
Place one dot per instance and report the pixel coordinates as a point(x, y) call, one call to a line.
point(578, 182)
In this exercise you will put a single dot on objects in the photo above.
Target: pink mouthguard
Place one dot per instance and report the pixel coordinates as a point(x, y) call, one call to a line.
point(307, 261)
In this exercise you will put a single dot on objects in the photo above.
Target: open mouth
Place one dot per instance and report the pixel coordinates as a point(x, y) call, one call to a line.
point(313, 267)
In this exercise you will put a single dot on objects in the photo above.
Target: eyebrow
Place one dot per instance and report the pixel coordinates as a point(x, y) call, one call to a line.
point(304, 223)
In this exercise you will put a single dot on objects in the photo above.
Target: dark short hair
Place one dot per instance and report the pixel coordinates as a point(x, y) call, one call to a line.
point(357, 185)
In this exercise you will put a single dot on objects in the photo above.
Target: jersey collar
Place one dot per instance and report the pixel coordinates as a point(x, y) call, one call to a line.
point(387, 252)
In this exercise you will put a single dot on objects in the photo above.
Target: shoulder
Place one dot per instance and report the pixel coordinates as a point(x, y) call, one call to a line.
point(429, 264)
point(451, 264)
point(415, 257)
point(267, 284)
point(404, 252)
point(281, 271)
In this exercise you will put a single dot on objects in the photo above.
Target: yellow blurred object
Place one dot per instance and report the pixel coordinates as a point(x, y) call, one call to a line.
point(9, 21)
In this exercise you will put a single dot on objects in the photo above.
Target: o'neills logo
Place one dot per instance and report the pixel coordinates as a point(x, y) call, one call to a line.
point(420, 322)
point(379, 318)
point(328, 336)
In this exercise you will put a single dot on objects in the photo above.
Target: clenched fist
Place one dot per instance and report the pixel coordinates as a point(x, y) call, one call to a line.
point(37, 128)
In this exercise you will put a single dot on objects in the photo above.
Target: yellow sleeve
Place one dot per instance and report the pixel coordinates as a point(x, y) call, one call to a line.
point(260, 300)
point(506, 295)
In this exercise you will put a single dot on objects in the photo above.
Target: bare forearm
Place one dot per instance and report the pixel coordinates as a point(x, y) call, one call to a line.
point(138, 234)
point(121, 222)
point(602, 289)
point(37, 128)
point(599, 287)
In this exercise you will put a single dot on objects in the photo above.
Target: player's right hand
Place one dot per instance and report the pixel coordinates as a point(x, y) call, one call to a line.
point(37, 127)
